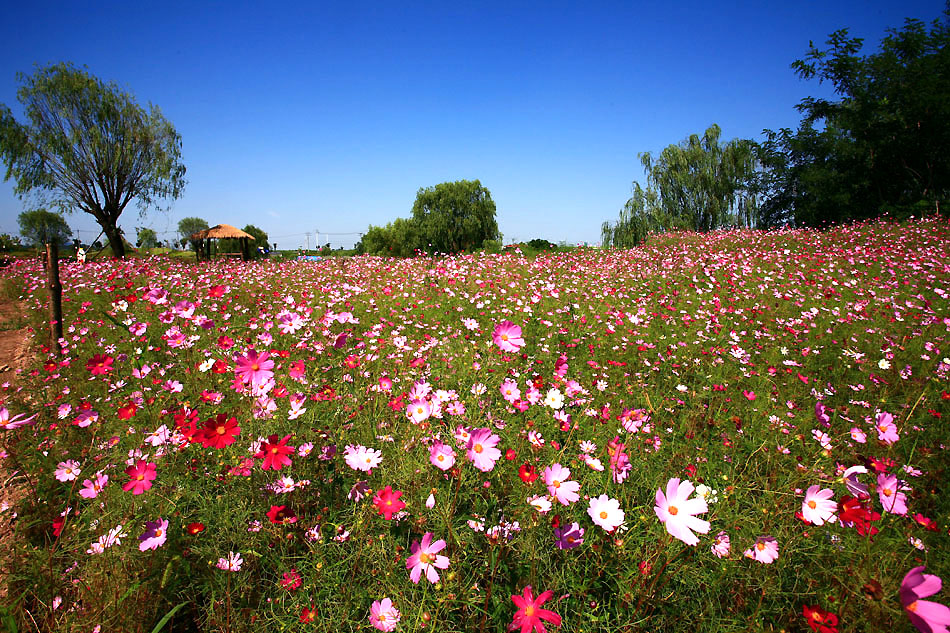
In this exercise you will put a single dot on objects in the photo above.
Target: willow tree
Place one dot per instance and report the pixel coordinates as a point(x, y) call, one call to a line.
point(698, 184)
point(455, 216)
point(88, 145)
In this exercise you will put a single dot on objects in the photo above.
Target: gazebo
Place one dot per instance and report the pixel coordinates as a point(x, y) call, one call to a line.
point(221, 231)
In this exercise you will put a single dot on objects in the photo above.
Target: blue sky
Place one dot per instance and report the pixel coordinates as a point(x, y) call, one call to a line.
point(305, 117)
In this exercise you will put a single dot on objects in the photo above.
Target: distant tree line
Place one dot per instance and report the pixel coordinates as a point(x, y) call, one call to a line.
point(450, 217)
point(879, 149)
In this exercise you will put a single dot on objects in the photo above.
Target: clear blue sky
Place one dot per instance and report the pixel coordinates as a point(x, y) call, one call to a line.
point(307, 116)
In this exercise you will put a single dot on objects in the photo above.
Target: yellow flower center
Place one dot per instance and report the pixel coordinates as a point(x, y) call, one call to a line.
point(760, 546)
point(912, 607)
point(140, 477)
point(441, 458)
point(673, 510)
point(887, 492)
point(556, 483)
point(504, 337)
point(603, 514)
point(255, 367)
point(425, 558)
point(478, 448)
point(529, 611)
point(221, 430)
point(812, 504)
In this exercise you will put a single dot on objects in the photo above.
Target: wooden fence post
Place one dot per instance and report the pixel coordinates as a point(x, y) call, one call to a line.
point(55, 296)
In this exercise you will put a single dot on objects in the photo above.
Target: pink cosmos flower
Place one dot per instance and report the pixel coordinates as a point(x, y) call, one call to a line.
point(886, 429)
point(889, 491)
point(425, 558)
point(854, 486)
point(678, 512)
point(509, 391)
point(529, 615)
point(926, 615)
point(441, 456)
point(765, 550)
point(383, 615)
point(418, 410)
point(91, 489)
point(721, 545)
point(156, 533)
point(142, 474)
point(8, 424)
point(362, 458)
point(253, 368)
point(556, 479)
point(507, 336)
point(818, 505)
point(481, 449)
point(605, 512)
point(67, 471)
point(232, 563)
point(275, 453)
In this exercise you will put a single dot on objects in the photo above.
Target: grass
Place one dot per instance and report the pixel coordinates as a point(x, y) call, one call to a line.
point(720, 345)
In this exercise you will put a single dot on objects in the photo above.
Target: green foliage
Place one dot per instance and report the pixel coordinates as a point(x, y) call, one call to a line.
point(698, 185)
point(8, 242)
point(40, 226)
point(146, 238)
point(881, 147)
point(260, 238)
point(455, 216)
point(88, 145)
point(188, 227)
point(399, 238)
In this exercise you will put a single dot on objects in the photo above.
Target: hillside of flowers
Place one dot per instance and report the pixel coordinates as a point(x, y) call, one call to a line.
point(737, 431)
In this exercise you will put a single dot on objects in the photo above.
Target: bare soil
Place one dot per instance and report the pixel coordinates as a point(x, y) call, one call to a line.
point(15, 354)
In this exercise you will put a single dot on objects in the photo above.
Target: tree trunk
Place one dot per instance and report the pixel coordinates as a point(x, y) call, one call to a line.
point(115, 239)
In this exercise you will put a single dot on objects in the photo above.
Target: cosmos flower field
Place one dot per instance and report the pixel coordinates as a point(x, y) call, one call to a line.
point(723, 432)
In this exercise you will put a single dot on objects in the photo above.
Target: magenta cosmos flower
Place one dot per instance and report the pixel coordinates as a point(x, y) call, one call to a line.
point(254, 368)
point(425, 558)
point(7, 423)
point(927, 616)
point(275, 453)
point(507, 336)
point(481, 449)
point(156, 533)
point(889, 492)
point(529, 615)
point(678, 513)
point(556, 479)
point(141, 475)
point(383, 615)
point(818, 505)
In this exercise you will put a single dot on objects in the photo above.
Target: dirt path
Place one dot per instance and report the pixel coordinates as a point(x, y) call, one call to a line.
point(15, 353)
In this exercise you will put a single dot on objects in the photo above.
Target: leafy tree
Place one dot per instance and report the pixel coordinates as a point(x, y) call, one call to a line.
point(260, 237)
point(455, 216)
point(146, 238)
point(399, 238)
point(882, 146)
point(8, 242)
point(188, 227)
point(89, 145)
point(41, 226)
point(698, 184)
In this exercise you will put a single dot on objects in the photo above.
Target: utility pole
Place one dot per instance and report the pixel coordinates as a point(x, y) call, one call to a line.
point(317, 231)
point(308, 241)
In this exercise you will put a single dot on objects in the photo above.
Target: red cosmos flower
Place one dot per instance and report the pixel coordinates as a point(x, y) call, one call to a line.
point(819, 620)
point(309, 614)
point(530, 614)
point(528, 473)
point(195, 528)
point(926, 522)
point(225, 342)
point(850, 510)
point(510, 454)
point(58, 523)
point(387, 502)
point(352, 361)
point(99, 364)
point(291, 580)
point(127, 411)
point(216, 292)
point(281, 515)
point(220, 367)
point(274, 452)
point(187, 424)
point(219, 431)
